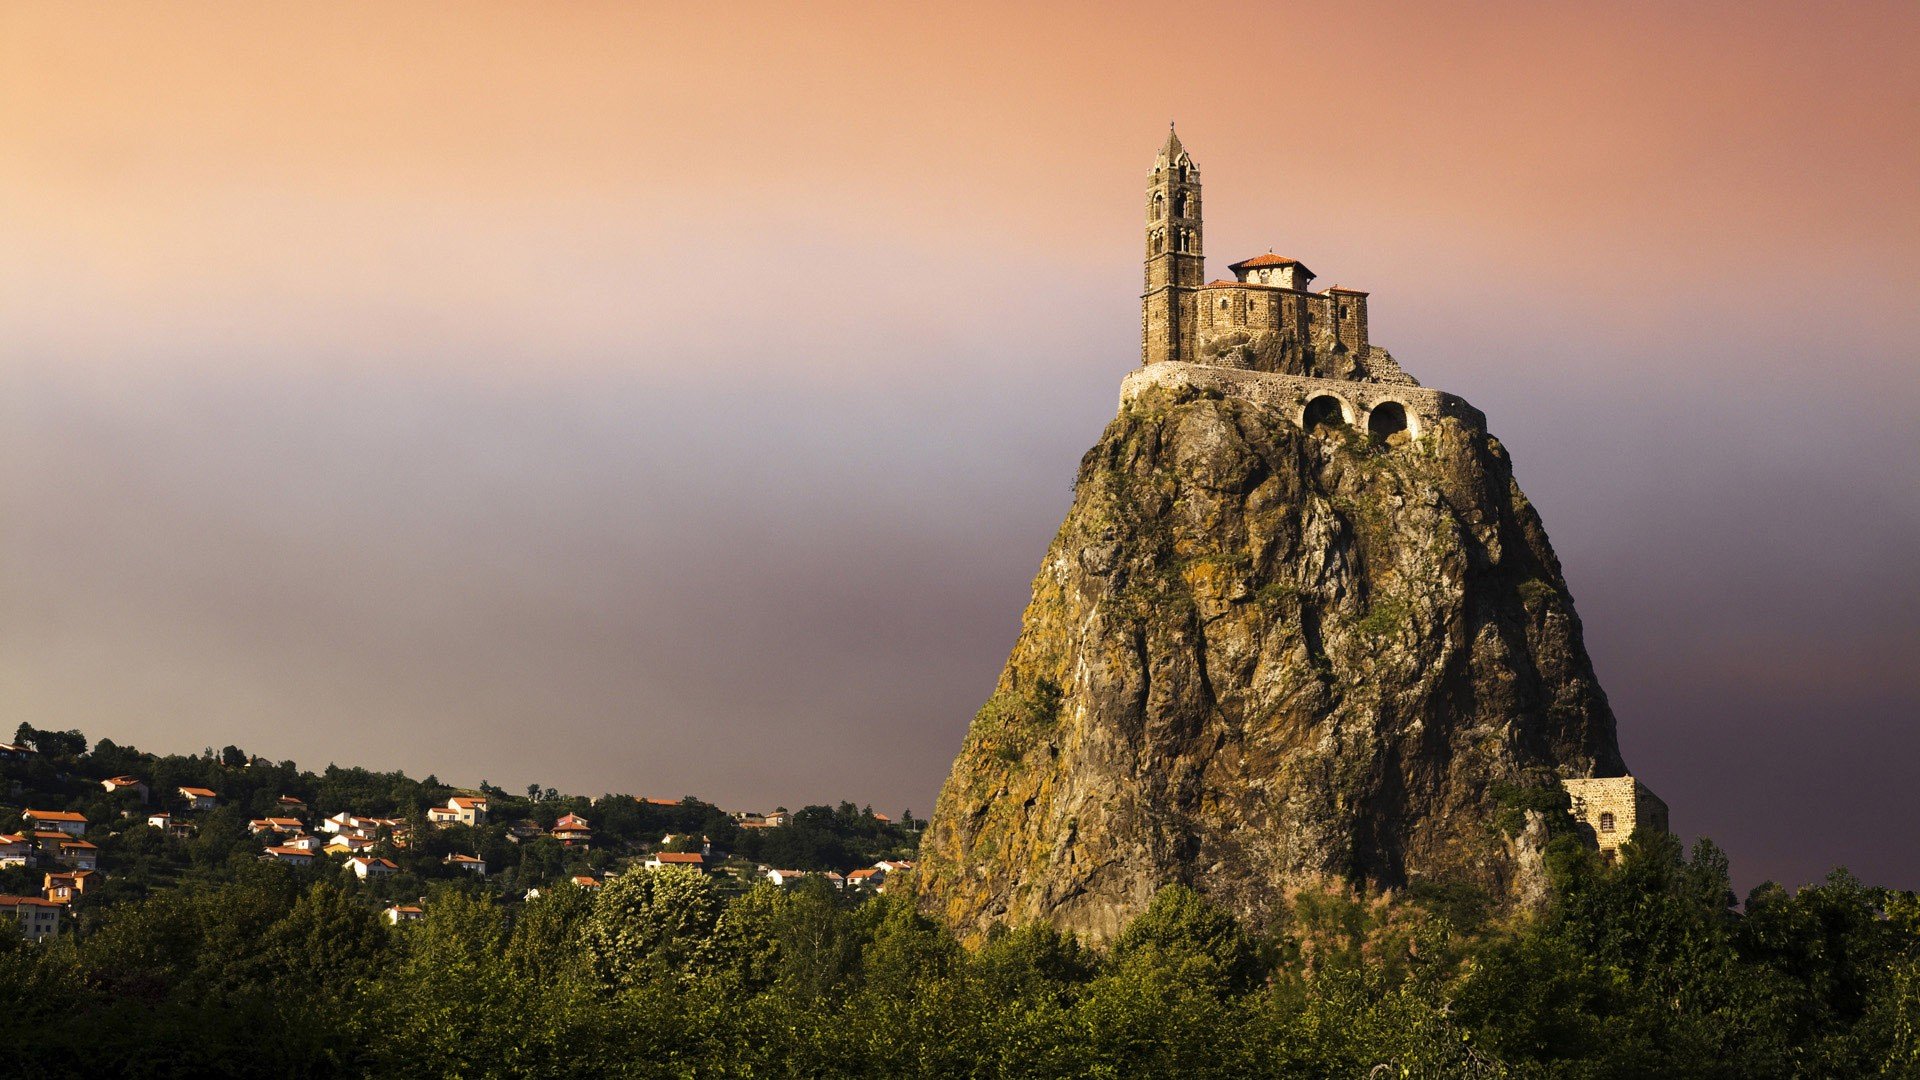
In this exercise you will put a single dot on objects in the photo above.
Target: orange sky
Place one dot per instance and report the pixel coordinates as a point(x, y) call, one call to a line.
point(321, 165)
point(696, 385)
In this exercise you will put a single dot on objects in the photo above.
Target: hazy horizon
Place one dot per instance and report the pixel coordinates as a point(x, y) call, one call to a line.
point(675, 401)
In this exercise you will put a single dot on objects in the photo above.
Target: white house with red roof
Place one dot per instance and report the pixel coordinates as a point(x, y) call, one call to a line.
point(292, 856)
point(58, 821)
point(348, 844)
point(126, 783)
point(15, 850)
point(199, 798)
point(689, 860)
point(406, 913)
point(469, 863)
point(461, 809)
point(274, 825)
point(367, 868)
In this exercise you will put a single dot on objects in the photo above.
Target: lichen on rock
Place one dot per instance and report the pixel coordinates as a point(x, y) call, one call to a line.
point(1259, 658)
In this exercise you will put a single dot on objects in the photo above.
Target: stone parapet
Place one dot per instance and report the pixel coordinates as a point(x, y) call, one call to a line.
point(1292, 393)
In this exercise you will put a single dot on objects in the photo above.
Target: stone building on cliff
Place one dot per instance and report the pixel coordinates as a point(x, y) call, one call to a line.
point(1300, 628)
point(1266, 320)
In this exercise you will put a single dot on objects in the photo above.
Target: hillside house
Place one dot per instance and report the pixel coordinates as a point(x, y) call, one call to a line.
point(126, 783)
point(690, 860)
point(460, 810)
point(586, 881)
point(292, 856)
point(274, 825)
point(14, 752)
point(15, 850)
point(782, 877)
point(469, 863)
point(38, 918)
point(62, 888)
point(894, 865)
point(304, 842)
point(199, 798)
point(573, 831)
point(287, 804)
point(340, 822)
point(871, 877)
point(63, 821)
point(404, 913)
point(368, 869)
point(348, 844)
point(79, 854)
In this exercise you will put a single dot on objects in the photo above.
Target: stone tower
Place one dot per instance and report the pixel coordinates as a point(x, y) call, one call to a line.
point(1175, 264)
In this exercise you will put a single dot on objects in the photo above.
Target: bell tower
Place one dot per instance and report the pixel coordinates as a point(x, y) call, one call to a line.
point(1175, 264)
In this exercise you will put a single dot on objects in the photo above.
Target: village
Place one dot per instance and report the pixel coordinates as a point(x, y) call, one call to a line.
point(386, 850)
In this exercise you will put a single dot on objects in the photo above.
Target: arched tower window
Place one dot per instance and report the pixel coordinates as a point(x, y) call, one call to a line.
point(1180, 205)
point(1159, 206)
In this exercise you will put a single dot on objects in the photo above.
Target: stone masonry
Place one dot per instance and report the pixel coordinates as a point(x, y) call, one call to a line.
point(1264, 334)
point(1609, 809)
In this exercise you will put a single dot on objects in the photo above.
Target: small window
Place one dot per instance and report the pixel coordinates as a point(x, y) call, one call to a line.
point(1606, 822)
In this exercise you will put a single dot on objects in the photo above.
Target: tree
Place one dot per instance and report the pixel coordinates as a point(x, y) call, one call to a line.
point(1183, 928)
point(655, 924)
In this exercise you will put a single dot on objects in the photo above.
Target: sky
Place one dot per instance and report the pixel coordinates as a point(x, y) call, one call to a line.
point(677, 398)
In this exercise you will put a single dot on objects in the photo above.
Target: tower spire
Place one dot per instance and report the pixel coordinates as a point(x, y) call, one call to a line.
point(1174, 254)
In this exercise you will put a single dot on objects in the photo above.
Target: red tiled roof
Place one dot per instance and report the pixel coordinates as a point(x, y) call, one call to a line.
point(1344, 289)
point(199, 793)
point(688, 857)
point(1269, 259)
point(54, 815)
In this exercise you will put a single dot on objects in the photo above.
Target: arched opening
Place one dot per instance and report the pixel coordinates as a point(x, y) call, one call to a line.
point(1180, 205)
point(1324, 411)
point(1388, 422)
point(1159, 205)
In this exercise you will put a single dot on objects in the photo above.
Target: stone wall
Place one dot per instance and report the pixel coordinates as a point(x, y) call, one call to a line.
point(1291, 393)
point(1610, 808)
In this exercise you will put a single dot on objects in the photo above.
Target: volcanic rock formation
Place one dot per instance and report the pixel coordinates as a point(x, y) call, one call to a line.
point(1259, 657)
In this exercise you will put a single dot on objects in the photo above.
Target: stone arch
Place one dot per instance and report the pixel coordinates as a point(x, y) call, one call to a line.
point(1388, 418)
point(1159, 205)
point(1323, 409)
point(1180, 205)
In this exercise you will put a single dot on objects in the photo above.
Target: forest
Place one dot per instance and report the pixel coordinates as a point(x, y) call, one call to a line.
point(1648, 967)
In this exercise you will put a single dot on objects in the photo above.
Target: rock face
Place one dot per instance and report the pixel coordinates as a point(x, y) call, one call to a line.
point(1259, 657)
